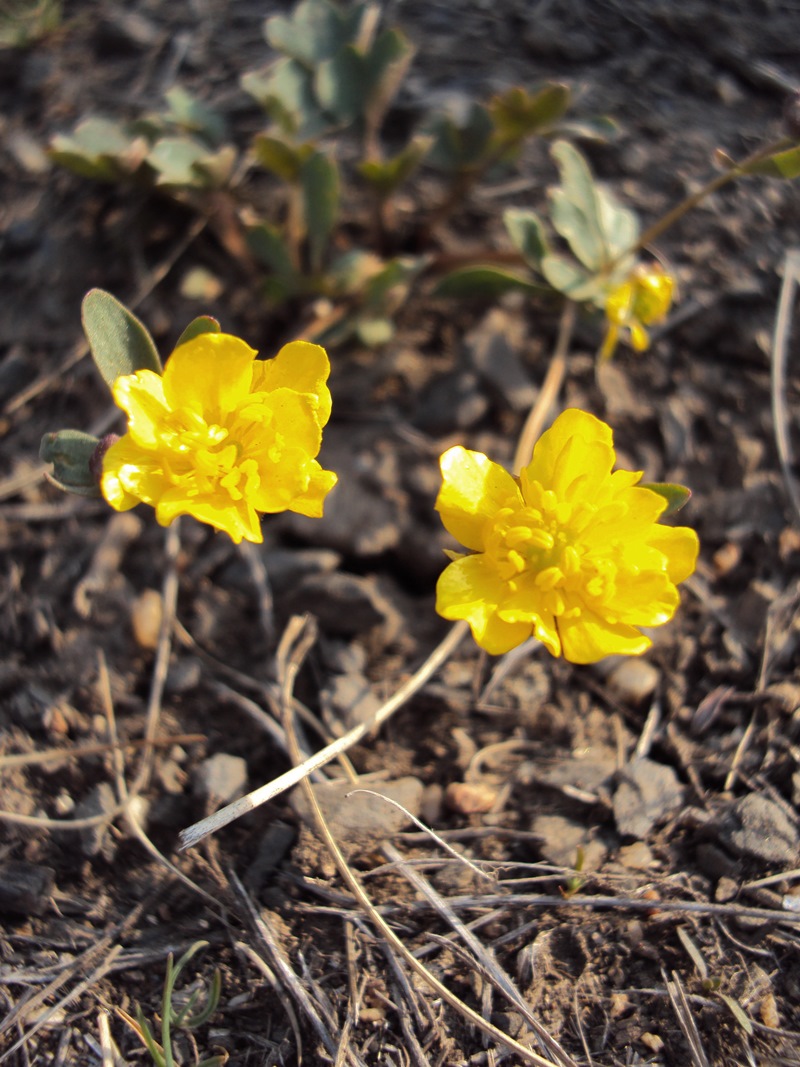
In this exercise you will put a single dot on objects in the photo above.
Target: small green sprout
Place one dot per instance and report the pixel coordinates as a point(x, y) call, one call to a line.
point(186, 1017)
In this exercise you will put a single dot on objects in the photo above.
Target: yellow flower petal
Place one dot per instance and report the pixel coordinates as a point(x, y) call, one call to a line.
point(574, 554)
point(301, 366)
point(473, 490)
point(221, 440)
point(210, 375)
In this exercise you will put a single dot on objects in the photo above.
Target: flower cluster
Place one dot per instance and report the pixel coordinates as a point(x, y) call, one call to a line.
point(223, 436)
point(643, 299)
point(570, 552)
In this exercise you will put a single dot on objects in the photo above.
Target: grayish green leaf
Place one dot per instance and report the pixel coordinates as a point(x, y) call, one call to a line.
point(528, 235)
point(70, 452)
point(319, 180)
point(119, 342)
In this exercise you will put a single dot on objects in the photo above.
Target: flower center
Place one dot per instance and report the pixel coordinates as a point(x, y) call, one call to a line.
point(202, 459)
point(540, 550)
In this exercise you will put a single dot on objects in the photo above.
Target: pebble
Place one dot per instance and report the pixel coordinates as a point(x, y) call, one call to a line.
point(348, 701)
point(146, 614)
point(470, 798)
point(453, 402)
point(756, 827)
point(647, 793)
point(633, 681)
point(286, 567)
point(361, 819)
point(636, 857)
point(220, 778)
point(25, 888)
point(344, 604)
point(271, 852)
point(493, 349)
point(562, 839)
point(95, 839)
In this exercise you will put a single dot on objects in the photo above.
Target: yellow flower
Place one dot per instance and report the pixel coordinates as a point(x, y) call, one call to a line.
point(222, 436)
point(569, 552)
point(642, 299)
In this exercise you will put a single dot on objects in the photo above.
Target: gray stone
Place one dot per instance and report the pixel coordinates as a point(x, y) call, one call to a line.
point(221, 778)
point(95, 839)
point(272, 849)
point(633, 681)
point(563, 842)
point(493, 348)
point(286, 567)
point(344, 604)
point(453, 402)
point(361, 819)
point(647, 793)
point(348, 701)
point(756, 827)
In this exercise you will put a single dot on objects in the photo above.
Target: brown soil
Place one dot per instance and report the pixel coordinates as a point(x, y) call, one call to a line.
point(667, 947)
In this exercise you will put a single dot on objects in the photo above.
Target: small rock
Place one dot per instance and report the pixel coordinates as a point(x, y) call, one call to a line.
point(588, 775)
point(453, 402)
point(562, 839)
point(286, 567)
point(726, 889)
point(221, 778)
point(636, 857)
point(362, 818)
point(184, 675)
point(342, 657)
point(470, 798)
point(95, 839)
point(647, 792)
point(25, 888)
point(633, 681)
point(432, 804)
point(348, 701)
point(758, 828)
point(344, 604)
point(146, 615)
point(272, 849)
point(493, 349)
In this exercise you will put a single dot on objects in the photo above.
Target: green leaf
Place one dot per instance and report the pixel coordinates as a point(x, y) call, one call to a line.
point(387, 176)
point(527, 234)
point(267, 244)
point(119, 342)
point(387, 63)
point(599, 128)
point(286, 92)
point(193, 116)
point(340, 84)
point(676, 496)
point(576, 207)
point(568, 278)
point(99, 148)
point(738, 1012)
point(350, 272)
point(183, 161)
point(620, 226)
point(459, 146)
point(280, 157)
point(784, 165)
point(483, 282)
point(70, 452)
point(319, 180)
point(202, 324)
point(315, 31)
point(518, 114)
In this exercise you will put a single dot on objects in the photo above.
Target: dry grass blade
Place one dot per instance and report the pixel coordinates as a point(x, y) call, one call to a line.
point(295, 643)
point(283, 970)
point(780, 349)
point(192, 835)
point(683, 1013)
point(494, 972)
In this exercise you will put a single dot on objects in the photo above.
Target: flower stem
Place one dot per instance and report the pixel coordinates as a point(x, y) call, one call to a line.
point(549, 391)
point(735, 170)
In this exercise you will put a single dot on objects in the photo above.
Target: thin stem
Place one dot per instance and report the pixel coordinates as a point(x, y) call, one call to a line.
point(551, 385)
point(735, 170)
